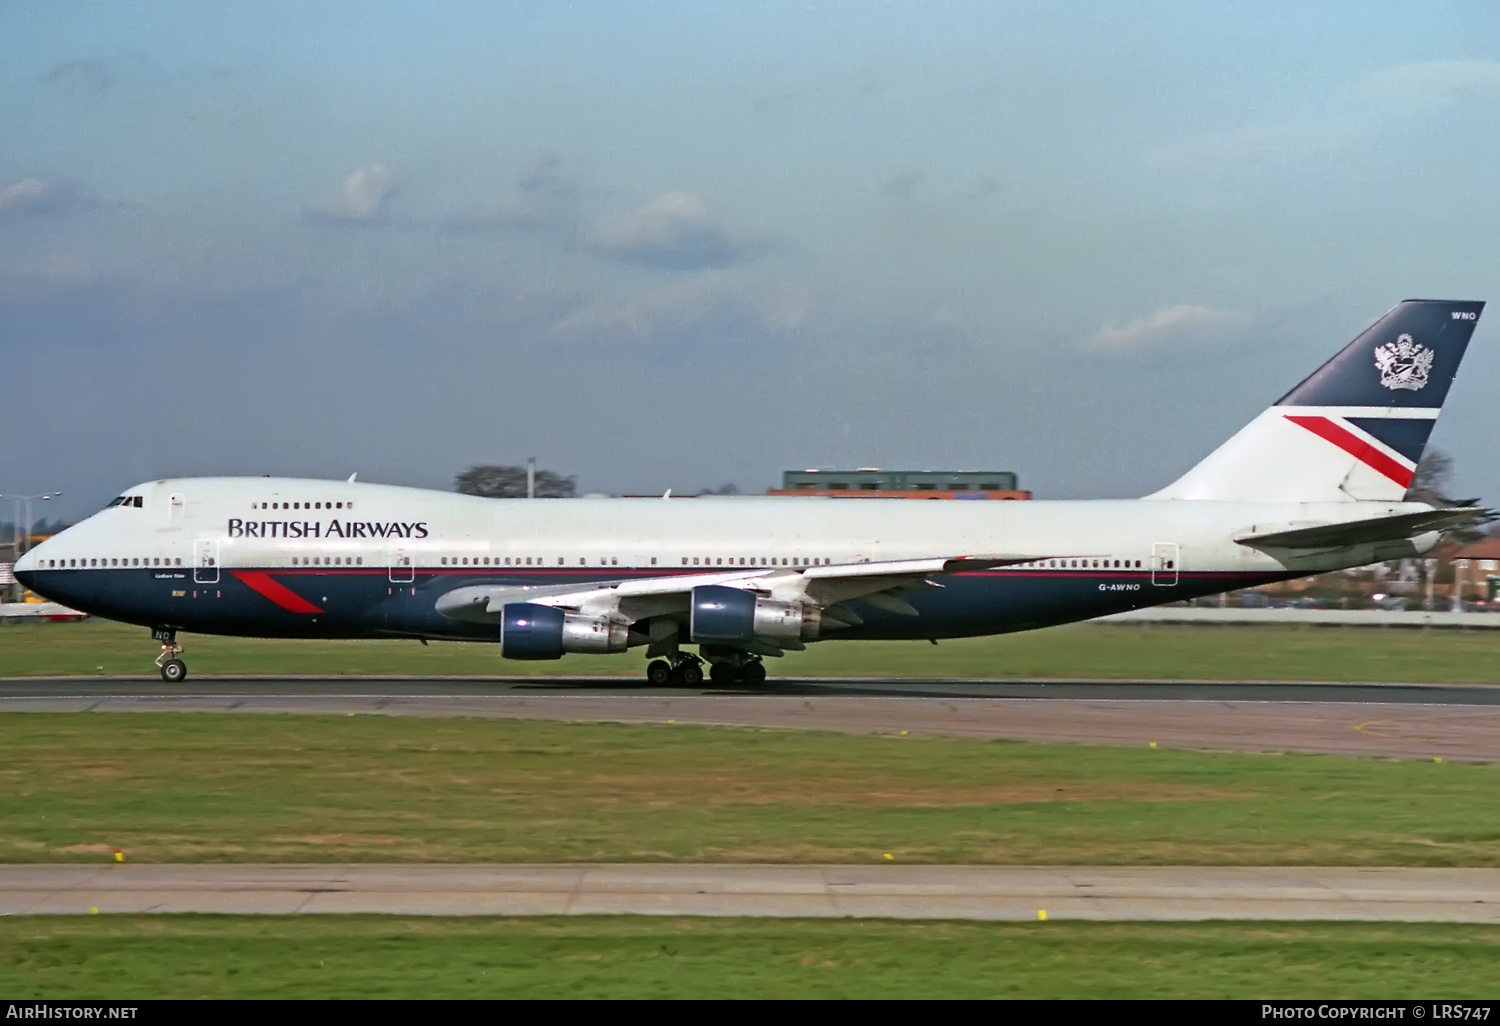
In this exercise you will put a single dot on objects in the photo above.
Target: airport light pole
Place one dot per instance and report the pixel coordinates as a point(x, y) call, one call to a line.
point(15, 528)
point(26, 501)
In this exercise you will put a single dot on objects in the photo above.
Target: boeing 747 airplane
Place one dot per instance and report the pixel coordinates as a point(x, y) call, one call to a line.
point(1317, 482)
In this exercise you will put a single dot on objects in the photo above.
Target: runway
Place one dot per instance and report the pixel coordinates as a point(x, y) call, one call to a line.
point(1454, 722)
point(902, 892)
point(459, 687)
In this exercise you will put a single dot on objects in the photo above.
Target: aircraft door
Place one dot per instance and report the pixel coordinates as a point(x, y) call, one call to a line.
point(206, 561)
point(1164, 559)
point(399, 562)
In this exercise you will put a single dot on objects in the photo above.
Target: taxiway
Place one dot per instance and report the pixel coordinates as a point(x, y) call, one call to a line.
point(904, 892)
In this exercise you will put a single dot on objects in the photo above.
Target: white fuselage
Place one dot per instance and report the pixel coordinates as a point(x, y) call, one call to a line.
point(345, 545)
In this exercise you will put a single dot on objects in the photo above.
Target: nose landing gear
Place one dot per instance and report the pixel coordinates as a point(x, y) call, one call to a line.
point(173, 670)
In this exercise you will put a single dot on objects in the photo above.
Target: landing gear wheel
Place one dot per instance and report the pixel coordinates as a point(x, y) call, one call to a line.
point(659, 672)
point(172, 669)
point(722, 673)
point(753, 673)
point(691, 674)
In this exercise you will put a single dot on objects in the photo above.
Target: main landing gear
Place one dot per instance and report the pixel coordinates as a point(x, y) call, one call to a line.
point(173, 670)
point(751, 671)
point(688, 671)
point(677, 668)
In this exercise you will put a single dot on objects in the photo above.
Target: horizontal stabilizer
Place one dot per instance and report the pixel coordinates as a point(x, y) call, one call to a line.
point(1360, 532)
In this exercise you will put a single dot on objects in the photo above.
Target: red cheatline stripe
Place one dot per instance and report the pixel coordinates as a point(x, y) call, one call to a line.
point(280, 594)
point(1356, 447)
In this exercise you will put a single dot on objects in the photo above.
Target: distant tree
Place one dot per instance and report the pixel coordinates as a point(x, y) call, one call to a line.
point(510, 483)
point(724, 489)
point(1432, 478)
point(1430, 484)
point(41, 527)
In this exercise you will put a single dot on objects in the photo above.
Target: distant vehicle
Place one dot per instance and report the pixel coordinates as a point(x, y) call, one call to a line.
point(1314, 483)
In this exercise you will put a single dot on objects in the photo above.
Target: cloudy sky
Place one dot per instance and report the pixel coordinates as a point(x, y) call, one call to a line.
point(675, 245)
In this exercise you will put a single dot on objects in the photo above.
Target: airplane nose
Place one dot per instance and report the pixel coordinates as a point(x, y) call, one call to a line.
point(23, 569)
point(26, 567)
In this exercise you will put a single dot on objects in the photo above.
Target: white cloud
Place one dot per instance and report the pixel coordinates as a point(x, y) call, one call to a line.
point(1183, 322)
point(676, 230)
point(360, 198)
point(707, 300)
point(37, 196)
point(1257, 144)
point(1428, 83)
point(47, 276)
point(1362, 112)
point(544, 198)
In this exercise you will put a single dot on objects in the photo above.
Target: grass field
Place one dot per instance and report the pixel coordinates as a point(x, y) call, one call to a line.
point(125, 957)
point(1131, 652)
point(184, 787)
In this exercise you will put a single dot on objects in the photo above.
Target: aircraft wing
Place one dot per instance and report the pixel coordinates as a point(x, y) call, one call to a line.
point(640, 598)
point(1359, 532)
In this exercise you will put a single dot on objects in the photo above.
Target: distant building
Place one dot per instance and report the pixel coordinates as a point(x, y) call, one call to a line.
point(10, 590)
point(1476, 571)
point(874, 483)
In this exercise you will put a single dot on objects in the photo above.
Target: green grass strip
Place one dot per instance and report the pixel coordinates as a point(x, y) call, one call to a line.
point(183, 787)
point(127, 957)
point(1120, 652)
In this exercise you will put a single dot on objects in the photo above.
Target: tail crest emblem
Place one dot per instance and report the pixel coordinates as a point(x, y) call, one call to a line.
point(1403, 363)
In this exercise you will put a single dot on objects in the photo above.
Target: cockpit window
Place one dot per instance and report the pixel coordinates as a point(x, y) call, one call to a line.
point(128, 500)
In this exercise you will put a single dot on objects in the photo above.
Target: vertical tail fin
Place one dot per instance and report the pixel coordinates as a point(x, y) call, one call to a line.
point(1356, 428)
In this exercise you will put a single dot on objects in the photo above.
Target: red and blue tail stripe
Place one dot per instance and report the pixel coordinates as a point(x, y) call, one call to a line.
point(1389, 446)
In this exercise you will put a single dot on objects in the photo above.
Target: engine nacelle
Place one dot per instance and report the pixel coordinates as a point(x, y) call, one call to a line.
point(728, 616)
point(531, 631)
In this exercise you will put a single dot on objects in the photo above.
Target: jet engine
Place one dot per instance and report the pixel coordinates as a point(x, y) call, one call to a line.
point(531, 631)
point(728, 616)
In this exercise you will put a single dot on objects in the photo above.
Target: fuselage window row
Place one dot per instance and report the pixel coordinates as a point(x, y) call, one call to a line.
point(756, 561)
point(1089, 564)
point(615, 561)
point(65, 564)
point(302, 505)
